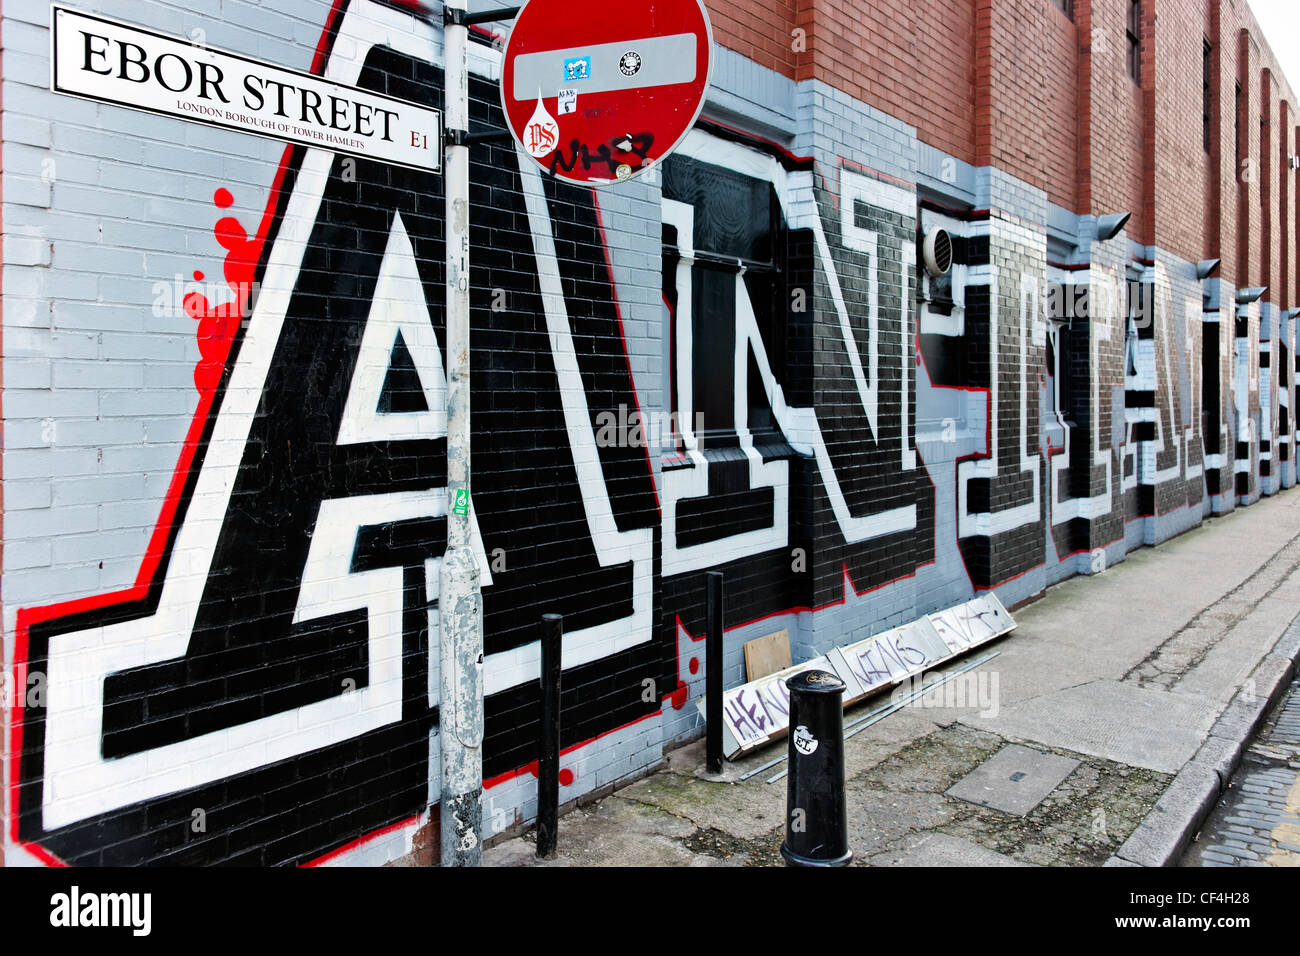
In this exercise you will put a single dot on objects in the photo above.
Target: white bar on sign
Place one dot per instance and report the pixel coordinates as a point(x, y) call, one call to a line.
point(602, 67)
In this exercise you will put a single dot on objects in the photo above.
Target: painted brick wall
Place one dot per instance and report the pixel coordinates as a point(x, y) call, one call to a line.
point(217, 519)
point(124, 378)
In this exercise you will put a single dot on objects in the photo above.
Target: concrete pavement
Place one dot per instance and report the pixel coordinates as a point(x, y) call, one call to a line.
point(1139, 686)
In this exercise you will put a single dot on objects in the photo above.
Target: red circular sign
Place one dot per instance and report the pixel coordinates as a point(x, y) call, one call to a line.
point(599, 92)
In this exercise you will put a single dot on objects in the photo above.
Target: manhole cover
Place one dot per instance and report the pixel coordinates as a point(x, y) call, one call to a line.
point(1014, 780)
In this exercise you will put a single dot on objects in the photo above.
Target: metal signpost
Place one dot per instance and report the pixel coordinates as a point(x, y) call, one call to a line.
point(595, 93)
point(460, 600)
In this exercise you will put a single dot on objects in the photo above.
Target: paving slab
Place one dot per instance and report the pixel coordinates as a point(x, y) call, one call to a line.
point(1015, 780)
point(1118, 720)
point(613, 832)
point(940, 849)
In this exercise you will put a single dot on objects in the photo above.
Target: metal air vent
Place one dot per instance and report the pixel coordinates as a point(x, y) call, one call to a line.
point(936, 251)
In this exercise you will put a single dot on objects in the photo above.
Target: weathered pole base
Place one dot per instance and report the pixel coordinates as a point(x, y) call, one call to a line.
point(794, 859)
point(462, 821)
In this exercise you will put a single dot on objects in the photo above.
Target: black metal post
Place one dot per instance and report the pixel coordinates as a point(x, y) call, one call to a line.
point(548, 737)
point(816, 819)
point(713, 672)
point(462, 18)
point(492, 16)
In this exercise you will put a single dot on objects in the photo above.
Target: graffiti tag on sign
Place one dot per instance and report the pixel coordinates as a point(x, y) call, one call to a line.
point(756, 712)
point(747, 716)
point(893, 655)
point(973, 623)
point(579, 153)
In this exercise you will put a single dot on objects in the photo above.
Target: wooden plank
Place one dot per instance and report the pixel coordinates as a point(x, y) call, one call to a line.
point(767, 655)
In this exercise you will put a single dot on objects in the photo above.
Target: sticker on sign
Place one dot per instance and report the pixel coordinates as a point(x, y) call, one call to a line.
point(542, 134)
point(642, 70)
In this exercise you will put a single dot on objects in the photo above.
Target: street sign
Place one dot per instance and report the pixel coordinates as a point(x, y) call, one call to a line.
point(113, 62)
point(600, 92)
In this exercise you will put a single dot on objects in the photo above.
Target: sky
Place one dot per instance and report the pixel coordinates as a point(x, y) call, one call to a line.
point(1280, 20)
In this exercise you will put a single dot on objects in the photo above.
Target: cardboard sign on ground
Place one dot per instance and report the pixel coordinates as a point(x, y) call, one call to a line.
point(973, 623)
point(767, 655)
point(892, 656)
point(758, 712)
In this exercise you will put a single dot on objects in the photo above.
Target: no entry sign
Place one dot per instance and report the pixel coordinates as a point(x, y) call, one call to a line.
point(598, 92)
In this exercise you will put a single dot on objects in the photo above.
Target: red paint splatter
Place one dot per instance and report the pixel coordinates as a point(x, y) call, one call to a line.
point(566, 776)
point(679, 696)
point(695, 665)
point(219, 323)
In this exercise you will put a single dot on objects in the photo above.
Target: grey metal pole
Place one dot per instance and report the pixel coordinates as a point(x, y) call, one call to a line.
point(460, 600)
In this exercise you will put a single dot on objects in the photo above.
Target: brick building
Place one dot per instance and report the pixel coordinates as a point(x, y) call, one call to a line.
point(224, 481)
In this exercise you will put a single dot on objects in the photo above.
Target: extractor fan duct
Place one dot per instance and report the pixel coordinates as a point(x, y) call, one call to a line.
point(936, 251)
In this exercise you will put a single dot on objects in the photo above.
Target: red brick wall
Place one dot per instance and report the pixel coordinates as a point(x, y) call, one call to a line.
point(1216, 158)
point(762, 30)
point(1281, 148)
point(1113, 165)
point(1061, 100)
point(1026, 116)
point(1019, 85)
point(1246, 171)
point(1284, 146)
point(1179, 169)
point(1222, 238)
point(913, 62)
point(1286, 222)
point(1267, 178)
point(947, 61)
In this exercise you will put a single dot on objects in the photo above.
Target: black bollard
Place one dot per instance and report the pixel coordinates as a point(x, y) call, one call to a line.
point(713, 672)
point(816, 821)
point(548, 737)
